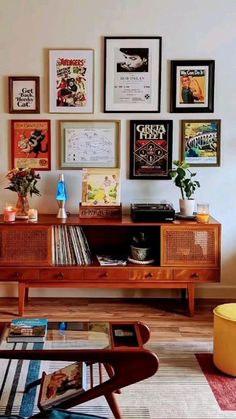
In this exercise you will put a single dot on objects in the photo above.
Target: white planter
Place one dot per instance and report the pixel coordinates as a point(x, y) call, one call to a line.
point(186, 206)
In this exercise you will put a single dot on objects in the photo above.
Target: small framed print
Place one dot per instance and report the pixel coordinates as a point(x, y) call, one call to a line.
point(150, 149)
point(24, 95)
point(31, 144)
point(71, 75)
point(192, 86)
point(132, 76)
point(201, 142)
point(89, 144)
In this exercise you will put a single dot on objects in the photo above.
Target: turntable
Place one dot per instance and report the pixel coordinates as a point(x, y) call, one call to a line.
point(152, 212)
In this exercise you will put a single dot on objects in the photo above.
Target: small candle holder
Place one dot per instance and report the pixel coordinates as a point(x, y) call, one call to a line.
point(33, 214)
point(9, 214)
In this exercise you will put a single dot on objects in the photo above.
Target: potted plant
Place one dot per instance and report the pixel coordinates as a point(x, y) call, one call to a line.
point(183, 179)
point(140, 247)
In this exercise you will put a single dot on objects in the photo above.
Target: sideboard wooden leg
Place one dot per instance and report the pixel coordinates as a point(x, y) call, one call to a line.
point(21, 298)
point(27, 294)
point(191, 296)
point(111, 400)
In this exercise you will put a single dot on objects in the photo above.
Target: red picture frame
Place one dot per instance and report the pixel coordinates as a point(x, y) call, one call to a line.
point(31, 144)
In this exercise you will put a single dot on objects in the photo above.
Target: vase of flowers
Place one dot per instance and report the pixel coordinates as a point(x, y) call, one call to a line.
point(23, 182)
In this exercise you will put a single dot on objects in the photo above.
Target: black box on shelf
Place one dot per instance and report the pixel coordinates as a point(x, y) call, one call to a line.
point(152, 212)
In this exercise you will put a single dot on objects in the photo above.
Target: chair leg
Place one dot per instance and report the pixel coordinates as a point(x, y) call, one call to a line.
point(111, 400)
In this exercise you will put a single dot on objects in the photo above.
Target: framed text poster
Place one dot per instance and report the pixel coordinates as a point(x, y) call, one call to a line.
point(71, 76)
point(31, 140)
point(150, 149)
point(24, 95)
point(132, 76)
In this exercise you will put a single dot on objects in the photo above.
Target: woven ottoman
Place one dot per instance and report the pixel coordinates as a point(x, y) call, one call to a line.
point(224, 352)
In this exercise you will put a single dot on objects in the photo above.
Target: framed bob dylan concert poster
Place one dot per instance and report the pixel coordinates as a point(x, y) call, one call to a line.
point(192, 86)
point(71, 78)
point(89, 144)
point(132, 76)
point(31, 142)
point(24, 94)
point(150, 149)
point(201, 142)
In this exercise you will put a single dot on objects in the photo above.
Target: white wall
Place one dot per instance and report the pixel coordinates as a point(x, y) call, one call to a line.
point(190, 29)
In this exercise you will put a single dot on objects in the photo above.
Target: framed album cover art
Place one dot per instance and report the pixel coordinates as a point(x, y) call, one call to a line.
point(31, 144)
point(201, 142)
point(23, 94)
point(71, 78)
point(192, 86)
point(132, 74)
point(150, 149)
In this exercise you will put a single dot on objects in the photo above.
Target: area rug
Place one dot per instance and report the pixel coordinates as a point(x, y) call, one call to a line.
point(178, 390)
point(223, 386)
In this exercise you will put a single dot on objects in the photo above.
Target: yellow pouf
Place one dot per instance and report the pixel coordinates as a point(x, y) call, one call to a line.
point(224, 355)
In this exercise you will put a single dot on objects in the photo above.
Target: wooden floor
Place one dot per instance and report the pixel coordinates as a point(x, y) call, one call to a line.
point(167, 318)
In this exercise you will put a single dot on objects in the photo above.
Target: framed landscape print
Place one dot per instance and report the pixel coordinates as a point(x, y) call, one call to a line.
point(201, 142)
point(24, 95)
point(100, 187)
point(71, 78)
point(192, 86)
point(31, 144)
point(89, 144)
point(150, 149)
point(132, 74)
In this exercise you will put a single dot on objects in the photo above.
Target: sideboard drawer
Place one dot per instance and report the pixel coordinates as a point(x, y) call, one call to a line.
point(18, 274)
point(150, 274)
point(197, 275)
point(61, 274)
point(106, 274)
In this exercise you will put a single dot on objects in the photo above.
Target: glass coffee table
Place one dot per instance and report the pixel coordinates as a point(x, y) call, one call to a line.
point(114, 349)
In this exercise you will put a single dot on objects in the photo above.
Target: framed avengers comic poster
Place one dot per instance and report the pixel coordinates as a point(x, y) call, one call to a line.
point(132, 74)
point(23, 93)
point(150, 149)
point(201, 142)
point(192, 86)
point(31, 144)
point(71, 79)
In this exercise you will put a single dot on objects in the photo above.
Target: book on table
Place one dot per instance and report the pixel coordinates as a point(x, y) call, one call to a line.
point(27, 330)
point(62, 384)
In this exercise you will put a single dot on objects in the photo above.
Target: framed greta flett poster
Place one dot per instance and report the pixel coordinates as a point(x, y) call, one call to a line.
point(31, 141)
point(71, 75)
point(24, 95)
point(132, 76)
point(201, 142)
point(192, 86)
point(150, 149)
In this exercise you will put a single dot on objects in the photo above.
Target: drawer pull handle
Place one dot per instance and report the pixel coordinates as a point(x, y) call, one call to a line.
point(149, 275)
point(18, 274)
point(104, 275)
point(60, 275)
point(195, 275)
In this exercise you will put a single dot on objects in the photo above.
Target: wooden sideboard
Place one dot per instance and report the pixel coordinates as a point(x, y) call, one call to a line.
point(185, 253)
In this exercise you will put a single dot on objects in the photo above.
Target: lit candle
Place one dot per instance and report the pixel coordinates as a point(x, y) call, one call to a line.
point(9, 214)
point(33, 214)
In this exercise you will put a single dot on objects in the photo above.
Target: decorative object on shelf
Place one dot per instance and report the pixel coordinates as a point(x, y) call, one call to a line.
point(132, 76)
point(203, 213)
point(61, 197)
point(192, 86)
point(182, 177)
point(24, 94)
point(150, 149)
point(23, 181)
point(71, 79)
point(31, 144)
point(140, 247)
point(9, 213)
point(201, 142)
point(101, 187)
point(33, 214)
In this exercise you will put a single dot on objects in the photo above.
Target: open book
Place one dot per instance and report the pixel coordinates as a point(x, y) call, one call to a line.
point(62, 384)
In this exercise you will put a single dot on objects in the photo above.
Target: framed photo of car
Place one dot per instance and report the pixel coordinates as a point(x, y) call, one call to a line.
point(31, 144)
point(150, 149)
point(192, 86)
point(23, 94)
point(71, 80)
point(201, 142)
point(132, 74)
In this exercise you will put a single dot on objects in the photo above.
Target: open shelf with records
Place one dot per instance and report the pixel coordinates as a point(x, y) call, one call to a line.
point(54, 253)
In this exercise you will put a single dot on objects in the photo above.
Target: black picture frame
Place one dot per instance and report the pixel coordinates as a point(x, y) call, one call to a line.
point(150, 149)
point(192, 86)
point(132, 84)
